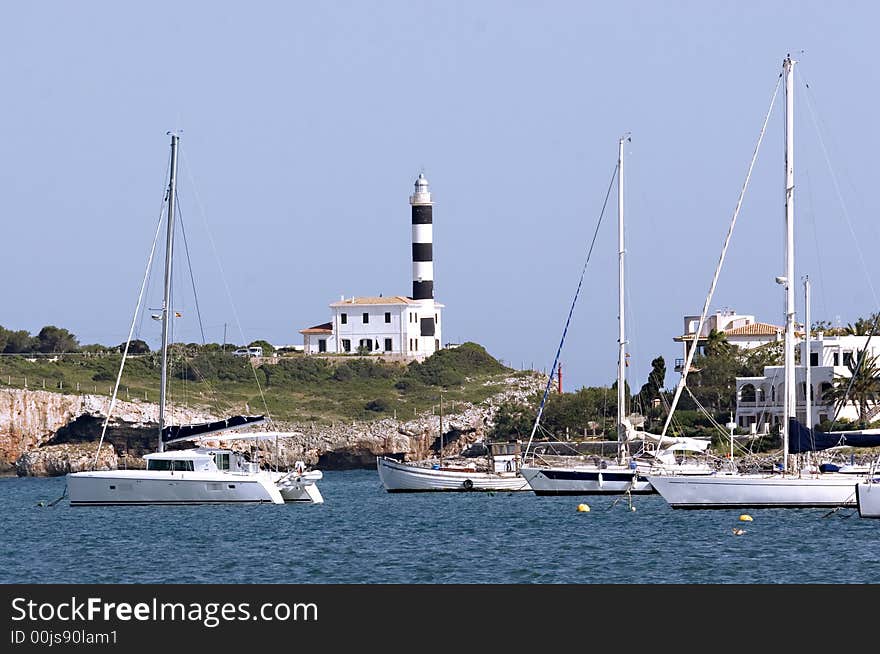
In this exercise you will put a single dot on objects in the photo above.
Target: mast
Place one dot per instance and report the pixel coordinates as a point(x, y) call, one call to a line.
point(807, 354)
point(789, 402)
point(621, 339)
point(166, 302)
point(441, 430)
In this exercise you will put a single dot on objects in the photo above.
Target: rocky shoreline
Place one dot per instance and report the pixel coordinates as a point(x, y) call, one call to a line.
point(46, 434)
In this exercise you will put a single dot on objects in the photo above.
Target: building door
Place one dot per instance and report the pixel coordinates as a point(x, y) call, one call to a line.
point(322, 345)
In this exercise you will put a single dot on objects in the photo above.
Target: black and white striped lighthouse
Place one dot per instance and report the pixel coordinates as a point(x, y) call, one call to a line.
point(422, 241)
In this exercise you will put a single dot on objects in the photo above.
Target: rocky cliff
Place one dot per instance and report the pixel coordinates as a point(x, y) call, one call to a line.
point(44, 433)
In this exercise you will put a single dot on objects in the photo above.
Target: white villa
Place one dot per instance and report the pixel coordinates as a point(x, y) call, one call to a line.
point(739, 329)
point(759, 399)
point(396, 326)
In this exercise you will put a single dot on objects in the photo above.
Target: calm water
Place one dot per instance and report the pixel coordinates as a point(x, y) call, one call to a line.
point(364, 535)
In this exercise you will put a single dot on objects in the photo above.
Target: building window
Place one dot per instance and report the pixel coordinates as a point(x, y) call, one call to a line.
point(387, 316)
point(346, 345)
point(366, 345)
point(322, 345)
point(847, 358)
point(387, 344)
point(343, 318)
point(814, 358)
point(835, 359)
point(366, 318)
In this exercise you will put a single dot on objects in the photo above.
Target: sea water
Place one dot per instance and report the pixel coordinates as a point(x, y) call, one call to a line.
point(364, 535)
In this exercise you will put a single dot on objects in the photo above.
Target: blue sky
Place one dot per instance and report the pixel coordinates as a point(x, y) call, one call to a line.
point(305, 125)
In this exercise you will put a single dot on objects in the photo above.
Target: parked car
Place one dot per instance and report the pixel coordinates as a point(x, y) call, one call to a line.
point(248, 352)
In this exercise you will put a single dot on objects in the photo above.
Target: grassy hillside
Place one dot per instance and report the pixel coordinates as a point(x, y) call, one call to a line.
point(297, 388)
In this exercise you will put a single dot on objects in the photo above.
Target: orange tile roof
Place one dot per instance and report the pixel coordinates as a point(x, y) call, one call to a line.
point(391, 299)
point(325, 328)
point(754, 329)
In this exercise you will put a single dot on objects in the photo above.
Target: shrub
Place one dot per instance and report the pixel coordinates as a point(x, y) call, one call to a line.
point(377, 405)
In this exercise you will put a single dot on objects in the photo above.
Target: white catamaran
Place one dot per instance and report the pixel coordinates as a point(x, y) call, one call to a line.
point(627, 473)
point(790, 488)
point(199, 475)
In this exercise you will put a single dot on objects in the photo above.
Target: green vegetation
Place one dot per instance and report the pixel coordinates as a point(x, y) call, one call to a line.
point(296, 388)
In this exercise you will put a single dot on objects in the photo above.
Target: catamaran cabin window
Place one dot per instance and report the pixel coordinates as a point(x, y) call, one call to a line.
point(222, 460)
point(168, 464)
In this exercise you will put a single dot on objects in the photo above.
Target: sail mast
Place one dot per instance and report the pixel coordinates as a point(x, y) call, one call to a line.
point(166, 302)
point(441, 429)
point(621, 340)
point(789, 403)
point(807, 354)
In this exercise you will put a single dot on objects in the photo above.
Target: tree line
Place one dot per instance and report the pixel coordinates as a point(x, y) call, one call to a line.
point(58, 340)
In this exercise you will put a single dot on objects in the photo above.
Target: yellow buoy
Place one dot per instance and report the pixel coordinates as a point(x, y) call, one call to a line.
point(745, 517)
point(583, 508)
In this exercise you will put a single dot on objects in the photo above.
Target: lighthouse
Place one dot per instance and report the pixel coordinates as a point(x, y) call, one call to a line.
point(391, 326)
point(422, 241)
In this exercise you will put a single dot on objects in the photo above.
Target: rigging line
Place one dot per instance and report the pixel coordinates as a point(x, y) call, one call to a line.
point(128, 342)
point(692, 350)
point(223, 277)
point(571, 309)
point(706, 412)
point(140, 325)
point(191, 276)
point(840, 198)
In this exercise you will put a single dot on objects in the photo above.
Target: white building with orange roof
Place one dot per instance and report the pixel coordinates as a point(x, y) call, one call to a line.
point(741, 330)
point(398, 326)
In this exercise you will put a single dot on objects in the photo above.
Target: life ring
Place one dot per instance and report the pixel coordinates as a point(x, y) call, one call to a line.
point(468, 484)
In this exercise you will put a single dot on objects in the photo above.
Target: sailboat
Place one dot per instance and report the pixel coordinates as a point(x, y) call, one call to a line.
point(795, 488)
point(626, 474)
point(500, 473)
point(201, 474)
point(868, 497)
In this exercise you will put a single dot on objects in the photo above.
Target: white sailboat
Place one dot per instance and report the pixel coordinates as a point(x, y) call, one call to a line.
point(199, 475)
point(868, 497)
point(795, 488)
point(627, 474)
point(500, 473)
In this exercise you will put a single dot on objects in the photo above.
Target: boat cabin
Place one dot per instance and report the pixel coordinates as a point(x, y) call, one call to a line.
point(505, 457)
point(200, 460)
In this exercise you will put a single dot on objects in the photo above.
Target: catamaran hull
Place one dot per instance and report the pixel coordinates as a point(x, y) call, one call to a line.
point(586, 481)
point(403, 478)
point(868, 499)
point(302, 489)
point(756, 491)
point(144, 488)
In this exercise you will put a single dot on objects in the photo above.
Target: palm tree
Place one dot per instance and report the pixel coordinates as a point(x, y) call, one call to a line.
point(862, 326)
point(861, 386)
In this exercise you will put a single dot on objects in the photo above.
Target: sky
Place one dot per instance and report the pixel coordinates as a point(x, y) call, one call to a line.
point(304, 126)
